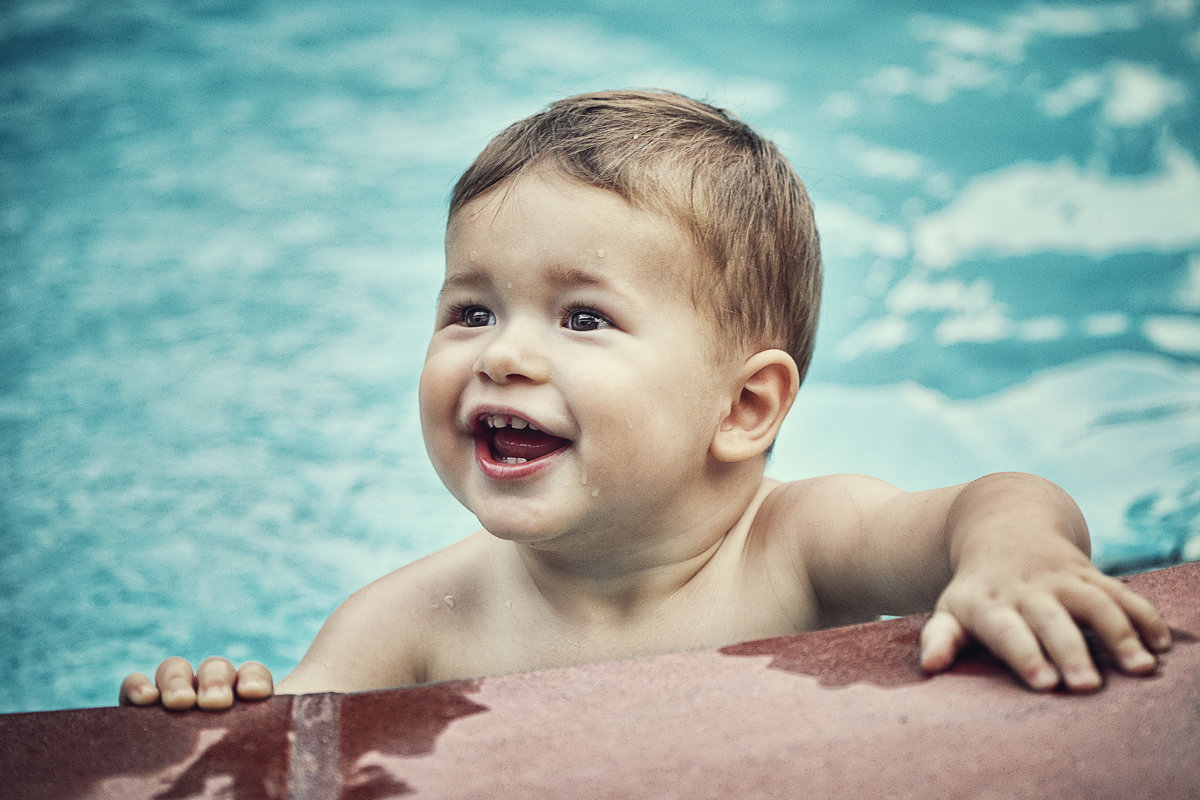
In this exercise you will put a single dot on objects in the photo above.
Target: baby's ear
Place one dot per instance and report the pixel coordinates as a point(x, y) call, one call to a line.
point(765, 389)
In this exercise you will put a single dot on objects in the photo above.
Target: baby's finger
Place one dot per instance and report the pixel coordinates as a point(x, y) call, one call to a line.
point(1095, 608)
point(942, 639)
point(1063, 642)
point(214, 683)
point(1152, 628)
point(175, 683)
point(1006, 634)
point(254, 682)
point(137, 690)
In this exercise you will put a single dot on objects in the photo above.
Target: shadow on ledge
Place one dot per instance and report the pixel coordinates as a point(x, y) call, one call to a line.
point(844, 712)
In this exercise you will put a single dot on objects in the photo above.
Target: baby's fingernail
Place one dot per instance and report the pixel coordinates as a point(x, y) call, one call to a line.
point(1135, 659)
point(1042, 678)
point(214, 697)
point(1161, 642)
point(1083, 678)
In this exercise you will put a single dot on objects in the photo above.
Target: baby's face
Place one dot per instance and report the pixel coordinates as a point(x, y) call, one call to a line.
point(570, 385)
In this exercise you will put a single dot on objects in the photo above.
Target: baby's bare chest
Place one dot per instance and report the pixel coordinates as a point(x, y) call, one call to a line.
point(523, 634)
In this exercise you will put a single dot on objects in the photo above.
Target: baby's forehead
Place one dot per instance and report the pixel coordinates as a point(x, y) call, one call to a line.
point(677, 264)
point(605, 214)
point(642, 203)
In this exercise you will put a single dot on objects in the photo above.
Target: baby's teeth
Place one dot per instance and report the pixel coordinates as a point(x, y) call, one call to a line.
point(514, 460)
point(501, 421)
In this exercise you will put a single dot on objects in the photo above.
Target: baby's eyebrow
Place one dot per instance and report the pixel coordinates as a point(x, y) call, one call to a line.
point(463, 281)
point(559, 276)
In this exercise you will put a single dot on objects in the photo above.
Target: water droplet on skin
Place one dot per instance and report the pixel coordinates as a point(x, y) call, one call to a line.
point(583, 476)
point(508, 284)
point(595, 492)
point(600, 253)
point(449, 600)
point(508, 603)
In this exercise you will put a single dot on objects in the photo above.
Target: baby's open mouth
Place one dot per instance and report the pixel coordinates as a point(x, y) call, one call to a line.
point(513, 440)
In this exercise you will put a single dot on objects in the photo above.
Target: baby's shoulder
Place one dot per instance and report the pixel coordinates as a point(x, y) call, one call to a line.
point(445, 578)
point(836, 496)
point(800, 515)
point(386, 632)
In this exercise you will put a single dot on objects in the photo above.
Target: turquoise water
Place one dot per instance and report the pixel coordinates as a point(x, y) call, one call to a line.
point(220, 232)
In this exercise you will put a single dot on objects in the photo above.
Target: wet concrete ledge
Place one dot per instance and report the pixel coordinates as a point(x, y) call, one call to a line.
point(837, 713)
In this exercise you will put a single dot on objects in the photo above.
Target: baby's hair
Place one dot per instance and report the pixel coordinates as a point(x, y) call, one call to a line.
point(729, 188)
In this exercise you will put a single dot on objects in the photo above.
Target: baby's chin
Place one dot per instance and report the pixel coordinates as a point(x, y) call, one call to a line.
point(517, 529)
point(525, 528)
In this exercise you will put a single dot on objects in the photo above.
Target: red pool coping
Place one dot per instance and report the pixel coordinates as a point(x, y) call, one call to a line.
point(844, 712)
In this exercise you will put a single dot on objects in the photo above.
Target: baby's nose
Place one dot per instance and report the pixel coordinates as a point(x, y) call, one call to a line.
point(515, 352)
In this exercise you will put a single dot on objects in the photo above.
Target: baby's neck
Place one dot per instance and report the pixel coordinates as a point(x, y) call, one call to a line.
point(611, 587)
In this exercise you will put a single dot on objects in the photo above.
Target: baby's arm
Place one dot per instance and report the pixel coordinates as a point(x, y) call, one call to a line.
point(1003, 560)
point(213, 686)
point(1025, 596)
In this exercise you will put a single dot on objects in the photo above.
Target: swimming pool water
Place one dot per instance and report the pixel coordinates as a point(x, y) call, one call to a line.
point(220, 230)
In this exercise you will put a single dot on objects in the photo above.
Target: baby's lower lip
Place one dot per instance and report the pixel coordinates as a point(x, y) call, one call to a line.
point(499, 470)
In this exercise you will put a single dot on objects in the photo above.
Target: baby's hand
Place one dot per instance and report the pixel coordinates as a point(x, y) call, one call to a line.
point(1032, 622)
point(212, 687)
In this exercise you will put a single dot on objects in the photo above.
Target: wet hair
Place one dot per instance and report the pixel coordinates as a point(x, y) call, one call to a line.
point(727, 187)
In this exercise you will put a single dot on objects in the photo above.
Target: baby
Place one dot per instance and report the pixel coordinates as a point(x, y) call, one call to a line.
point(630, 302)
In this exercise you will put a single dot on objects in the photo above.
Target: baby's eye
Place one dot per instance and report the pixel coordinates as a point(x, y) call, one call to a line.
point(585, 319)
point(476, 316)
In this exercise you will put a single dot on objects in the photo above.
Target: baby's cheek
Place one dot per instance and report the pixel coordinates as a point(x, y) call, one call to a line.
point(440, 435)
